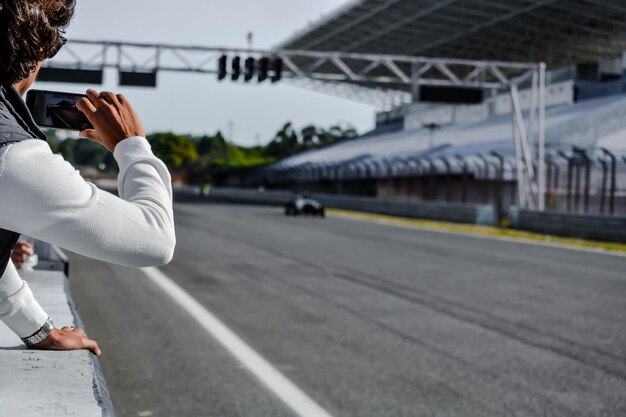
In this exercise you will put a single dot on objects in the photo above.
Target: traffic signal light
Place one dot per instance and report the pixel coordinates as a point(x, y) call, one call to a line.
point(249, 69)
point(221, 67)
point(236, 68)
point(264, 66)
point(277, 69)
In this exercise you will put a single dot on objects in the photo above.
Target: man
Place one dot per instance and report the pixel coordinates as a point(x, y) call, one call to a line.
point(44, 197)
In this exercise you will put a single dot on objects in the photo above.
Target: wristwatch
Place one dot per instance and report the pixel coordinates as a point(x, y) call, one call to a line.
point(40, 334)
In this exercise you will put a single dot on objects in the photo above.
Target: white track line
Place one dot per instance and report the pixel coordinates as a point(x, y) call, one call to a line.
point(271, 377)
point(479, 236)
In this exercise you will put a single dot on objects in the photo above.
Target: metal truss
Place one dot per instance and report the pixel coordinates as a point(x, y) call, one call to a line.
point(529, 139)
point(393, 72)
point(381, 98)
point(380, 80)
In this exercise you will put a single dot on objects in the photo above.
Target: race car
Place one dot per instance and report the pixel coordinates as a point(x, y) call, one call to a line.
point(303, 204)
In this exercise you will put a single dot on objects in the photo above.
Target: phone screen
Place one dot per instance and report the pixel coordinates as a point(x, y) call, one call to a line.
point(56, 109)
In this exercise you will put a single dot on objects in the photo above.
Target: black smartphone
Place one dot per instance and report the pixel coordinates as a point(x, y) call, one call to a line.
point(56, 109)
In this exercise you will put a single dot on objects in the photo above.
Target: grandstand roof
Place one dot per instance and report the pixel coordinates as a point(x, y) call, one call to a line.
point(558, 32)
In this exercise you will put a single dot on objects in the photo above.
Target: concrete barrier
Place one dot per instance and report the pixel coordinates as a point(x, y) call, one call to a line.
point(46, 383)
point(585, 226)
point(451, 212)
point(248, 196)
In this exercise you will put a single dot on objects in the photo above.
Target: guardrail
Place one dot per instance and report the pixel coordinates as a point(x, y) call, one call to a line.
point(584, 226)
point(451, 212)
point(48, 383)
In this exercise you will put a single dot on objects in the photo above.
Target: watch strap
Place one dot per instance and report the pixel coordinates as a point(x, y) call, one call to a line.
point(40, 334)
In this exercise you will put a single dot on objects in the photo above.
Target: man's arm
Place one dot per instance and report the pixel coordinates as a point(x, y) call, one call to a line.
point(22, 313)
point(18, 308)
point(50, 201)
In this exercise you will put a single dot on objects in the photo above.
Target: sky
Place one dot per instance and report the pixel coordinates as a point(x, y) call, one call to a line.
point(199, 104)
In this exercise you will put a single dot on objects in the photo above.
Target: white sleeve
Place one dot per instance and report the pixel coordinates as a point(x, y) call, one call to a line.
point(43, 196)
point(18, 308)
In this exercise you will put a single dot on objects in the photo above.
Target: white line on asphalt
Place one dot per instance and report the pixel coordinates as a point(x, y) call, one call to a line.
point(488, 237)
point(272, 378)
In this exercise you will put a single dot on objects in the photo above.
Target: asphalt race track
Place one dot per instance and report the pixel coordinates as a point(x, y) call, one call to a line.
point(367, 319)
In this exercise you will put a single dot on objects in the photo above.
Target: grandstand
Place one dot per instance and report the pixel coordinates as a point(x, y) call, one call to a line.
point(472, 145)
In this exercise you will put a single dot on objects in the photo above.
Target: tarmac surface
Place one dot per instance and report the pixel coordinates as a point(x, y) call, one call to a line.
point(367, 319)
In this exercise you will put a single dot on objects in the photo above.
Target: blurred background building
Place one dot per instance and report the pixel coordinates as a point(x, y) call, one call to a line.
point(443, 144)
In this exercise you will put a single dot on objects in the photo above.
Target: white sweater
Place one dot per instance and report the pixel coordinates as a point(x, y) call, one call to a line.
point(43, 196)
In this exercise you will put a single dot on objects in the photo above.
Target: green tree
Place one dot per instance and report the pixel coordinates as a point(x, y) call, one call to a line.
point(284, 144)
point(193, 154)
point(176, 151)
point(53, 140)
point(66, 148)
point(309, 135)
point(287, 142)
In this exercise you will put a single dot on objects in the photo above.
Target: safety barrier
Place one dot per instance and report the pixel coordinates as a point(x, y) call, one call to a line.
point(47, 383)
point(585, 226)
point(451, 212)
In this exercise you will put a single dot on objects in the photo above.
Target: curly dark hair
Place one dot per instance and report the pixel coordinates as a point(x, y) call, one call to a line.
point(30, 31)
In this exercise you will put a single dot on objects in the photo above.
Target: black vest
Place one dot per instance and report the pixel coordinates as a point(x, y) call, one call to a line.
point(16, 124)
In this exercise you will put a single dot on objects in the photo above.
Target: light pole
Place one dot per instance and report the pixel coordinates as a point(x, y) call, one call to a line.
point(431, 133)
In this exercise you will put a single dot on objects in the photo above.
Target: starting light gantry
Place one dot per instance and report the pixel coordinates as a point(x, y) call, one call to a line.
point(379, 80)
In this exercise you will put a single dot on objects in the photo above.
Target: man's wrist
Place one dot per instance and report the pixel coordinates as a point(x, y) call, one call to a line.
point(40, 334)
point(50, 342)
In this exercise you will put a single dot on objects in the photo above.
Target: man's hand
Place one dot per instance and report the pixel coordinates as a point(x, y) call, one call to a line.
point(112, 117)
point(21, 252)
point(68, 339)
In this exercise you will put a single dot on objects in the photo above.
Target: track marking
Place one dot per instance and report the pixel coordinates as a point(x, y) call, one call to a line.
point(479, 236)
point(272, 378)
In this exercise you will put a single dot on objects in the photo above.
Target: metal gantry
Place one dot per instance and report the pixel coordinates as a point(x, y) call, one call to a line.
point(386, 79)
point(390, 72)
